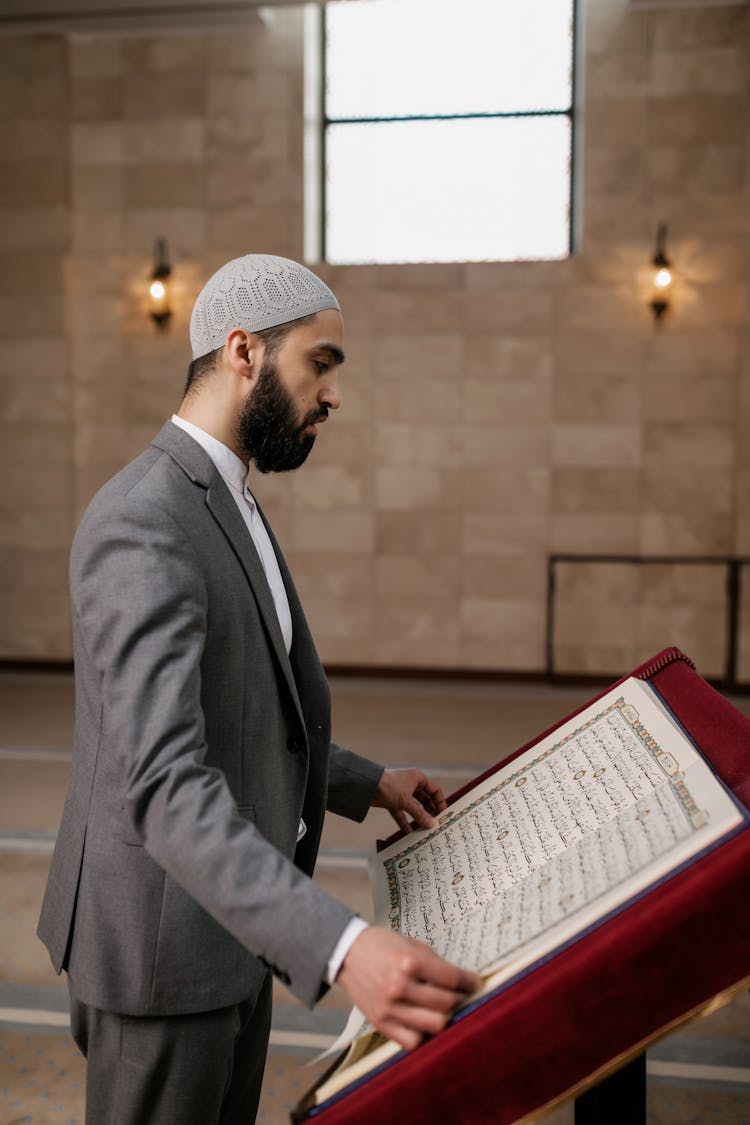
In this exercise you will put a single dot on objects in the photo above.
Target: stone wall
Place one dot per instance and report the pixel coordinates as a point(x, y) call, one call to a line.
point(493, 413)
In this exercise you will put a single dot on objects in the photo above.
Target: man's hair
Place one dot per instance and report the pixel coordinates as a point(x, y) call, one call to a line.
point(271, 337)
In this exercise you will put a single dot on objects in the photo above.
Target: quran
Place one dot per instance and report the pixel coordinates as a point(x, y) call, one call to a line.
point(587, 820)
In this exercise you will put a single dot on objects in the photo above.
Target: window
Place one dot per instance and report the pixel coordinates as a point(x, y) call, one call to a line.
point(447, 130)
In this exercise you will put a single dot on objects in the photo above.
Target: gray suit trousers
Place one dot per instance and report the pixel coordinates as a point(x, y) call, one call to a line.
point(201, 1069)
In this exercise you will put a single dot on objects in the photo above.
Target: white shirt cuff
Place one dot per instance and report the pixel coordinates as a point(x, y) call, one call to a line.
point(342, 947)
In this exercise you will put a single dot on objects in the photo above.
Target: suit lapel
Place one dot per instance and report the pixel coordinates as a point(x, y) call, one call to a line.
point(201, 469)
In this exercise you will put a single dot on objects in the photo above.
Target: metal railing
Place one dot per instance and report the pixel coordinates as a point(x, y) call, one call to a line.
point(733, 589)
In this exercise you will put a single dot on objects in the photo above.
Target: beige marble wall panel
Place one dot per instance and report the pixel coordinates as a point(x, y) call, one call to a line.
point(340, 618)
point(23, 314)
point(596, 351)
point(698, 631)
point(154, 185)
point(688, 489)
point(616, 76)
point(702, 28)
point(185, 228)
point(25, 444)
point(178, 94)
point(414, 576)
point(586, 398)
point(506, 445)
point(419, 445)
point(36, 529)
point(32, 139)
point(668, 533)
point(689, 400)
point(35, 487)
point(501, 633)
point(709, 352)
point(37, 625)
point(605, 446)
point(178, 139)
point(506, 489)
point(97, 142)
point(404, 356)
point(624, 118)
point(489, 533)
point(705, 70)
point(401, 488)
point(694, 170)
point(343, 442)
point(412, 400)
point(595, 490)
point(596, 625)
point(511, 400)
point(619, 171)
point(98, 188)
point(417, 533)
point(45, 96)
point(506, 310)
point(28, 570)
point(30, 400)
point(506, 356)
point(685, 584)
point(687, 443)
point(333, 487)
point(706, 118)
point(334, 574)
point(164, 54)
point(29, 183)
point(346, 532)
point(97, 98)
point(594, 534)
point(421, 631)
point(521, 576)
point(610, 660)
point(97, 231)
point(95, 56)
point(597, 582)
point(610, 26)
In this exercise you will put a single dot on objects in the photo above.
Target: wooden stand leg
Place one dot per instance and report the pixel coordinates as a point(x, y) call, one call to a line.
point(618, 1100)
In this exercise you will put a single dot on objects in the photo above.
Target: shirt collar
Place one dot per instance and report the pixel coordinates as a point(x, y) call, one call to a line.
point(234, 471)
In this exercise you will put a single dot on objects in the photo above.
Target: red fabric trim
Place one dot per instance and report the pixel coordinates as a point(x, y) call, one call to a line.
point(673, 949)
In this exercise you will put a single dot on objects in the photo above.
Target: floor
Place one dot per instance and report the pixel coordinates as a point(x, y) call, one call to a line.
point(454, 730)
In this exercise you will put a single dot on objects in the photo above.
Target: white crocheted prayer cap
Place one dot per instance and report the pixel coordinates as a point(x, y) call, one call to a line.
point(254, 292)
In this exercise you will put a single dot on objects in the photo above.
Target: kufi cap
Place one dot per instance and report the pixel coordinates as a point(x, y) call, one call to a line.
point(254, 292)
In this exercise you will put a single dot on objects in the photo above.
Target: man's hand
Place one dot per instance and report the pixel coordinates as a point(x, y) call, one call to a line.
point(409, 793)
point(402, 987)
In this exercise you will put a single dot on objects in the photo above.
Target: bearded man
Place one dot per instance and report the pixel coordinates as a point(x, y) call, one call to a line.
point(202, 763)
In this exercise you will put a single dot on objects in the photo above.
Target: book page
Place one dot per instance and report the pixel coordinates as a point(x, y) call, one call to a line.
point(612, 801)
point(590, 816)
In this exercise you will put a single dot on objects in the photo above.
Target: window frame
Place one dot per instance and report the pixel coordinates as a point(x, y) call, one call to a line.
point(324, 121)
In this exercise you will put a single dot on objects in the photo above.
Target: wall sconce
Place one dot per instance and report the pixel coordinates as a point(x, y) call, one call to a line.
point(158, 292)
point(663, 276)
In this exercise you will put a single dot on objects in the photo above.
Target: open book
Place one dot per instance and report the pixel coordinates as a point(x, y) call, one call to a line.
point(611, 803)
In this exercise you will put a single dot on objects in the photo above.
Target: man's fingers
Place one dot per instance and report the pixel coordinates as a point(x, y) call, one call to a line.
point(418, 813)
point(431, 996)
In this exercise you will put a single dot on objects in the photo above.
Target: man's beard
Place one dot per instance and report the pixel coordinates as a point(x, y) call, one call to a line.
point(268, 428)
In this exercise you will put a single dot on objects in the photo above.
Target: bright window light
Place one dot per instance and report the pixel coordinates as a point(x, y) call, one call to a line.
point(448, 130)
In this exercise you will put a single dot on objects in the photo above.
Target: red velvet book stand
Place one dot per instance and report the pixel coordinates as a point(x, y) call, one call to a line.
point(597, 1003)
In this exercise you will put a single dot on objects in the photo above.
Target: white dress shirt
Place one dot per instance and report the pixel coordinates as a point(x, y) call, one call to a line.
point(235, 474)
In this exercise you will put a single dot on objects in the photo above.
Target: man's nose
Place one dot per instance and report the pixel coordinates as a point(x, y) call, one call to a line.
point(330, 393)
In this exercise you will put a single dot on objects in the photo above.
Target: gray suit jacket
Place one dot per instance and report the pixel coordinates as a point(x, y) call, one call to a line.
point(199, 744)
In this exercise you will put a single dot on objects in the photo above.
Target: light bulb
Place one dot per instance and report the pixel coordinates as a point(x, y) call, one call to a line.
point(158, 290)
point(662, 279)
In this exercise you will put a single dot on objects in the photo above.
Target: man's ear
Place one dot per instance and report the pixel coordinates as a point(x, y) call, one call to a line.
point(244, 353)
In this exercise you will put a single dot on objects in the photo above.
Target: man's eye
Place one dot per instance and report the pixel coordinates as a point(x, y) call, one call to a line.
point(321, 366)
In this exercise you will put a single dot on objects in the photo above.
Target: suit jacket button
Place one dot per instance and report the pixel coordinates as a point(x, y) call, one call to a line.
point(292, 744)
